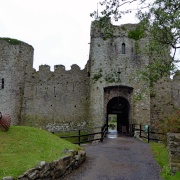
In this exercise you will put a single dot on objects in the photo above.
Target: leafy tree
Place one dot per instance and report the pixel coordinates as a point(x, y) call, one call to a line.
point(158, 18)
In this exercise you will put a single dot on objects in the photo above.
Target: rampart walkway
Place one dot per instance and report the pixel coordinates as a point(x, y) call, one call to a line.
point(121, 158)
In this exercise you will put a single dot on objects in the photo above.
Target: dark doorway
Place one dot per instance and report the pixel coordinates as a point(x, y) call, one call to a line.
point(119, 106)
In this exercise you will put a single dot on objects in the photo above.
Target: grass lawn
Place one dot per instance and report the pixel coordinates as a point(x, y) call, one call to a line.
point(72, 133)
point(161, 155)
point(22, 148)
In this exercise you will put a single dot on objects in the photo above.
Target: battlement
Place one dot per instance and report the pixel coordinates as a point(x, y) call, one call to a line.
point(117, 31)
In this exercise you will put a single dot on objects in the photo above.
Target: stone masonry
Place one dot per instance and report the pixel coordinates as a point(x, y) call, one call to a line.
point(73, 99)
point(173, 140)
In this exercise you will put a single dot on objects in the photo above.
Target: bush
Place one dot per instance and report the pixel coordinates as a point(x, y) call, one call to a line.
point(169, 124)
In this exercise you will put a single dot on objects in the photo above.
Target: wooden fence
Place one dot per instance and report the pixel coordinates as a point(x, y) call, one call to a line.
point(90, 136)
point(146, 132)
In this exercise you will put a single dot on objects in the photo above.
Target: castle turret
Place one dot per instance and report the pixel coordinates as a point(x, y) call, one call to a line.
point(114, 62)
point(16, 58)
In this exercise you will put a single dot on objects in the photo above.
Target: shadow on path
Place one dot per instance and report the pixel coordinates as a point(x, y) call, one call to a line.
point(118, 158)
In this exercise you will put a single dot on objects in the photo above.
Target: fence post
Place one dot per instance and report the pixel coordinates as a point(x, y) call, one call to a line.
point(132, 129)
point(140, 130)
point(148, 135)
point(101, 134)
point(79, 138)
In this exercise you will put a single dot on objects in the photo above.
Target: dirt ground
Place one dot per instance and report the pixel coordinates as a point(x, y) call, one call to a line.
point(117, 158)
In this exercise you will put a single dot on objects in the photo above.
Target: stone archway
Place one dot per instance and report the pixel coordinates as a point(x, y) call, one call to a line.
point(118, 100)
point(119, 106)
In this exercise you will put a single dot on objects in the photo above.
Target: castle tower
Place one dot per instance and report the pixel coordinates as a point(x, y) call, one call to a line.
point(15, 59)
point(114, 86)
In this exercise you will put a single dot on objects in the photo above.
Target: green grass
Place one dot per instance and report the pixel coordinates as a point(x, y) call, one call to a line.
point(22, 148)
point(72, 133)
point(161, 154)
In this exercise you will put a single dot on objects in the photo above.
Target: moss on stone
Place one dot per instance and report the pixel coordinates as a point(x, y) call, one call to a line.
point(97, 75)
point(11, 41)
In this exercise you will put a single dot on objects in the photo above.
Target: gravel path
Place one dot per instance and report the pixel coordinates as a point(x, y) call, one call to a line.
point(121, 158)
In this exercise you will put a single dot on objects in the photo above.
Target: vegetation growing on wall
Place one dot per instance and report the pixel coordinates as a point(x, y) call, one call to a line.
point(105, 26)
point(158, 18)
point(136, 33)
point(97, 75)
point(137, 97)
point(169, 124)
point(112, 77)
point(11, 41)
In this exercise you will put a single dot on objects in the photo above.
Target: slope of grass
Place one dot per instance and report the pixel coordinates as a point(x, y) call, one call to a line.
point(161, 154)
point(72, 133)
point(22, 148)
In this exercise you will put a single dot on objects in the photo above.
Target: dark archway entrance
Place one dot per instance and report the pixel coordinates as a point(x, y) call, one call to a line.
point(119, 106)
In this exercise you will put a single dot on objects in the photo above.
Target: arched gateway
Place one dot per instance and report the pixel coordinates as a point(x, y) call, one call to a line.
point(118, 102)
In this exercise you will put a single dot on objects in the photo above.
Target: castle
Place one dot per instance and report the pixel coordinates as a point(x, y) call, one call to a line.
point(73, 99)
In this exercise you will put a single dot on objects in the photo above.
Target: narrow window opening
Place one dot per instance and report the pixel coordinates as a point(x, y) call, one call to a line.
point(2, 85)
point(132, 50)
point(123, 48)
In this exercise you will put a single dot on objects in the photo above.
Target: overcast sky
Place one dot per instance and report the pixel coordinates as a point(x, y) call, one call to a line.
point(59, 30)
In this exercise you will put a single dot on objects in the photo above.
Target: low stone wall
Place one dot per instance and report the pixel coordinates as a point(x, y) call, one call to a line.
point(55, 169)
point(173, 140)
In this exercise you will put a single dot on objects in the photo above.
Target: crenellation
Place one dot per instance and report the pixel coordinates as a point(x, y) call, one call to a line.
point(59, 68)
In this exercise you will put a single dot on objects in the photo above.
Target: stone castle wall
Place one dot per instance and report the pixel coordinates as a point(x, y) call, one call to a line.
point(73, 99)
point(173, 140)
point(55, 98)
point(161, 99)
point(176, 90)
point(165, 97)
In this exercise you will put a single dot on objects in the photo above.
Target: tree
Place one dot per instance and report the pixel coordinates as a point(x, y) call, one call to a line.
point(160, 19)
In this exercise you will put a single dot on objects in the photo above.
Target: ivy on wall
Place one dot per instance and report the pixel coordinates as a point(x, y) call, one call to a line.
point(112, 77)
point(97, 76)
point(136, 34)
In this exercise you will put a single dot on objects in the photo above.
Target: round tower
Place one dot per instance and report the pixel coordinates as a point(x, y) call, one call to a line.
point(16, 58)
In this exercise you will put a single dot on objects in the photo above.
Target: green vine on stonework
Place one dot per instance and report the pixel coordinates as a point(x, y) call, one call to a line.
point(136, 33)
point(137, 49)
point(11, 41)
point(112, 77)
point(105, 25)
point(97, 75)
point(138, 97)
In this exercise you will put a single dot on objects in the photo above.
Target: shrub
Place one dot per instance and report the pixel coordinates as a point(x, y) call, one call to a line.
point(169, 124)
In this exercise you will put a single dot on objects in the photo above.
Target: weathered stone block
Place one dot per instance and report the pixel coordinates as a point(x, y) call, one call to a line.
point(55, 169)
point(173, 151)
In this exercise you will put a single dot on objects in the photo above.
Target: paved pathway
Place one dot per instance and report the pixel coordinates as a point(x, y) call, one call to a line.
point(118, 158)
